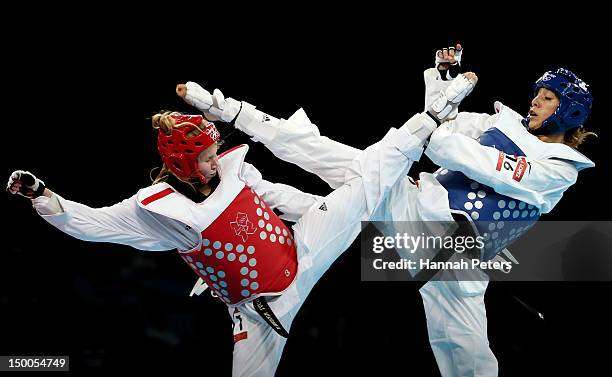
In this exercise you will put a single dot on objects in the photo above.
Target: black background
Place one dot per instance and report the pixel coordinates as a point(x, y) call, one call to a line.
point(78, 92)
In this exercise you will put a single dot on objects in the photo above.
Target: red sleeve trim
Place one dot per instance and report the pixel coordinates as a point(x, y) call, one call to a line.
point(159, 195)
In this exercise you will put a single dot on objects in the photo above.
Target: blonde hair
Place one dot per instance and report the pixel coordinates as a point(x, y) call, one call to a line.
point(577, 137)
point(165, 123)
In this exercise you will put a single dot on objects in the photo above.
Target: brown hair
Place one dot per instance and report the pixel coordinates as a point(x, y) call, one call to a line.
point(577, 137)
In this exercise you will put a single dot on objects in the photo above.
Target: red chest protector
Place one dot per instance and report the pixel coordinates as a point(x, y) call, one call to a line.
point(245, 250)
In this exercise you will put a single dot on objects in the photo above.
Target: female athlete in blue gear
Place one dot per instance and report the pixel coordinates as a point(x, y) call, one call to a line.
point(500, 172)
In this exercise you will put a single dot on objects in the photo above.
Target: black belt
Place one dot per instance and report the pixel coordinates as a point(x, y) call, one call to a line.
point(262, 308)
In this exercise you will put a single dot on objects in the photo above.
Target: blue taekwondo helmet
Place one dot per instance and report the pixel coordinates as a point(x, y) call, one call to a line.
point(575, 101)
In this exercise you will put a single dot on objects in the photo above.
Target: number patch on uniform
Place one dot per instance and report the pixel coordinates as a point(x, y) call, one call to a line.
point(239, 326)
point(516, 165)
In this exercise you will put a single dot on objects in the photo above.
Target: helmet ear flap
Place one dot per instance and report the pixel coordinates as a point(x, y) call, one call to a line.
point(575, 100)
point(184, 168)
point(177, 163)
point(576, 114)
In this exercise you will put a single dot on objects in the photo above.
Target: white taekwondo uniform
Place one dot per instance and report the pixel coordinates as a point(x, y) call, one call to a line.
point(235, 242)
point(492, 171)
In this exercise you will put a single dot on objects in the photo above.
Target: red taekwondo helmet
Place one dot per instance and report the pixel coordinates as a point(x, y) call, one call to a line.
point(179, 152)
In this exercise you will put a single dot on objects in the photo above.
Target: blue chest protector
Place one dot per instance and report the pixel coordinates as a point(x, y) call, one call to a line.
point(499, 219)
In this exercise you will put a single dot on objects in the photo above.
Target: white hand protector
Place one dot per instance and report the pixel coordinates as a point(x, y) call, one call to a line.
point(444, 106)
point(25, 184)
point(448, 62)
point(433, 86)
point(436, 79)
point(446, 55)
point(215, 106)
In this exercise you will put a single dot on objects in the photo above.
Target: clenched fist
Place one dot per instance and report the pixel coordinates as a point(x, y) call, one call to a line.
point(25, 184)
